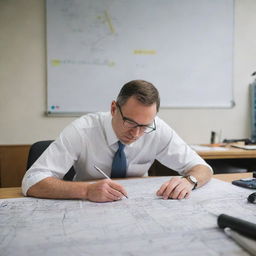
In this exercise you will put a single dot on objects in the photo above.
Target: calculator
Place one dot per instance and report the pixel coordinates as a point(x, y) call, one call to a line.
point(246, 183)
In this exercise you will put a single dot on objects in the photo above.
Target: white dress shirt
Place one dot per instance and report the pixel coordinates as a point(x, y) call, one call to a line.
point(91, 140)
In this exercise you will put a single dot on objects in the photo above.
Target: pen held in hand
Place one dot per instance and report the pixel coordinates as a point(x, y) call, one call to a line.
point(106, 176)
point(103, 173)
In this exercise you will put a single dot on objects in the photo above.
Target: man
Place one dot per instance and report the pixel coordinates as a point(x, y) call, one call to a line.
point(123, 143)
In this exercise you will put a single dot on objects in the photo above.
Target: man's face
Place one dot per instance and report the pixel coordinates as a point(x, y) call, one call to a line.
point(135, 113)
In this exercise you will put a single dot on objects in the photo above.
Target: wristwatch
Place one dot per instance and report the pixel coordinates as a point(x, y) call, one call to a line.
point(192, 180)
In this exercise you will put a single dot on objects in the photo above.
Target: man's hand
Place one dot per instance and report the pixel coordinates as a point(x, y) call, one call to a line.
point(175, 188)
point(105, 191)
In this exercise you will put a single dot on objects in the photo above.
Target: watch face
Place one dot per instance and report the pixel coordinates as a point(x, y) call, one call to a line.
point(193, 179)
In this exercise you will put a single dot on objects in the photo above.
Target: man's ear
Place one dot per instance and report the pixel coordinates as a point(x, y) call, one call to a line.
point(113, 107)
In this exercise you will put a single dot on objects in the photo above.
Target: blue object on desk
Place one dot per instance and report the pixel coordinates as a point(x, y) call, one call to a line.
point(246, 183)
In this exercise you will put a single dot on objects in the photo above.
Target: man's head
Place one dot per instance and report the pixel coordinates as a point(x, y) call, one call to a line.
point(134, 110)
point(145, 92)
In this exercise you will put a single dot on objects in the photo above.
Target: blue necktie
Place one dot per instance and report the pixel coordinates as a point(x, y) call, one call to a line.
point(119, 163)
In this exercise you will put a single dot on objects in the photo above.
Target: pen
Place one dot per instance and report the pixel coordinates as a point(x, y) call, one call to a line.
point(106, 176)
point(103, 173)
point(245, 242)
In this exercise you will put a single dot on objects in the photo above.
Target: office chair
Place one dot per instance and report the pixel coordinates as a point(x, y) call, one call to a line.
point(37, 149)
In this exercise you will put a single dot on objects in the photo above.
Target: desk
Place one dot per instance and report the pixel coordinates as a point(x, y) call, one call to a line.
point(15, 192)
point(231, 153)
point(230, 160)
point(144, 224)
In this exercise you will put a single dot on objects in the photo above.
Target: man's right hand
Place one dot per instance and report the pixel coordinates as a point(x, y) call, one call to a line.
point(105, 190)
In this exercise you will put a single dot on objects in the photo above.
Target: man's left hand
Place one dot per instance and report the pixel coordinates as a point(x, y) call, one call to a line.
point(175, 188)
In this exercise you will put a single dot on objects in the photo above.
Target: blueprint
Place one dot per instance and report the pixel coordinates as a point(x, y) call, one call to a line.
point(143, 224)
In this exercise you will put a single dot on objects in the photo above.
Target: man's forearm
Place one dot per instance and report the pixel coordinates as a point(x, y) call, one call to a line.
point(58, 189)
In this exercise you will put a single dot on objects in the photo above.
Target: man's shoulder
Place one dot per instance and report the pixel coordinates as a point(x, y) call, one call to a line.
point(91, 120)
point(161, 123)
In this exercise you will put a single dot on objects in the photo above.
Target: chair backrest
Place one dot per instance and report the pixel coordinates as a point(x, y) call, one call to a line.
point(37, 149)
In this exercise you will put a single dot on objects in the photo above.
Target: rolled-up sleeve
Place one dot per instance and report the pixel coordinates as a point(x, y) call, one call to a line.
point(174, 153)
point(56, 160)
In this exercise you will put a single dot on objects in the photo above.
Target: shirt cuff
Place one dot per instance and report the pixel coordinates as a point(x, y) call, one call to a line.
point(31, 179)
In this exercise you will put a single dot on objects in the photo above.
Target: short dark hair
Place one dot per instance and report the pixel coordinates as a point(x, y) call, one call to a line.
point(143, 91)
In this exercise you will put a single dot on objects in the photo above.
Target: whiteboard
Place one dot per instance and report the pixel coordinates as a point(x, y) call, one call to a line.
point(184, 47)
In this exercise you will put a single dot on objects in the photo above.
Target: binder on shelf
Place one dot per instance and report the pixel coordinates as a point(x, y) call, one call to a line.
point(253, 108)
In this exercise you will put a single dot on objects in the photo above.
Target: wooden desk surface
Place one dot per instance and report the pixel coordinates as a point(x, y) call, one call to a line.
point(10, 192)
point(15, 192)
point(231, 153)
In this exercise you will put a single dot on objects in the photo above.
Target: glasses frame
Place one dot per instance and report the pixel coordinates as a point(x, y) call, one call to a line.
point(141, 126)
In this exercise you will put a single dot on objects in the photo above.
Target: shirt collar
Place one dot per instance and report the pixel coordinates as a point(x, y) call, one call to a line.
point(110, 133)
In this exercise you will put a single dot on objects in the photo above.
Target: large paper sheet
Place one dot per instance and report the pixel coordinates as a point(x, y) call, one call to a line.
point(143, 224)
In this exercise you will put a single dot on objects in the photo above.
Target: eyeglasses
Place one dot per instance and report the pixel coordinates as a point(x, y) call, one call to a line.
point(128, 123)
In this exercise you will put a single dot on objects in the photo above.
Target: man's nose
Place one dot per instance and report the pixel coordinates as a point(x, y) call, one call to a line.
point(136, 131)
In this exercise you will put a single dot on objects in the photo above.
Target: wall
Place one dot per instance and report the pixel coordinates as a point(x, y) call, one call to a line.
point(23, 80)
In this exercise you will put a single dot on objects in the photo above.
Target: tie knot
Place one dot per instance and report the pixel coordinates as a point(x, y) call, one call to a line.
point(120, 145)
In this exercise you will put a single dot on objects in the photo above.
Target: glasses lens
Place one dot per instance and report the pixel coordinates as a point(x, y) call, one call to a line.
point(150, 128)
point(129, 124)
